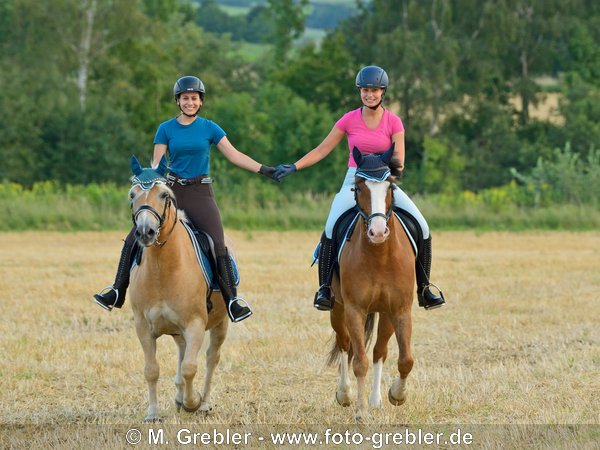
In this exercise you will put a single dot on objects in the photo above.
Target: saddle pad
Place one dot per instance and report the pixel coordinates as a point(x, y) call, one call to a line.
point(348, 228)
point(204, 262)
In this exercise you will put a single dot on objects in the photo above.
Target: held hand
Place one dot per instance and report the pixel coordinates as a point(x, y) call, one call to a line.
point(267, 171)
point(283, 170)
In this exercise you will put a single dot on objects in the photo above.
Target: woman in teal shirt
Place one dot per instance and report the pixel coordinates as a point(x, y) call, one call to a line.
point(186, 140)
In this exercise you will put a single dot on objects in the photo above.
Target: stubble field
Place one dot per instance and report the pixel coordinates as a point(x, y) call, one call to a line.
point(513, 359)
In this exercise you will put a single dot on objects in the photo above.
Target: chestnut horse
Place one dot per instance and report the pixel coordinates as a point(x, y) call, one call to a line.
point(168, 293)
point(376, 275)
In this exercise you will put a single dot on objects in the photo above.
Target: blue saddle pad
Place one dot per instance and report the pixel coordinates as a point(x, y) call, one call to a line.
point(204, 259)
point(202, 244)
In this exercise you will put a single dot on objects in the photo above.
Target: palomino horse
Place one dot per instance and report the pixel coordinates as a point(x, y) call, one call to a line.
point(376, 275)
point(168, 292)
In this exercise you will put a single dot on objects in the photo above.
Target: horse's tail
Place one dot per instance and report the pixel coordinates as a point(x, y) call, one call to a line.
point(335, 353)
point(369, 327)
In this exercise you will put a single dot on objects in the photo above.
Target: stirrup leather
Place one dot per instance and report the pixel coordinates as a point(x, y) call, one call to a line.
point(100, 295)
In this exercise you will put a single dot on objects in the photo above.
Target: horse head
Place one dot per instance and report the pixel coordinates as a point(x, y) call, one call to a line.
point(374, 182)
point(150, 194)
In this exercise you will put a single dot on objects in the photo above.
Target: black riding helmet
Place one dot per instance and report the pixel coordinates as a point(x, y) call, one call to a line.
point(188, 84)
point(372, 77)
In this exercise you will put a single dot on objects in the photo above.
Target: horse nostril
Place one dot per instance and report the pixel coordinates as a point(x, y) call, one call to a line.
point(386, 232)
point(150, 232)
point(137, 233)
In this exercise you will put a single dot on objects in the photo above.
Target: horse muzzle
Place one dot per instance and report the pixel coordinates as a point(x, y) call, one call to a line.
point(378, 231)
point(147, 226)
point(146, 235)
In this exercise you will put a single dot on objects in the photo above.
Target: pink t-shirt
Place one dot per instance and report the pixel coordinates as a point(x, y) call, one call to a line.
point(369, 140)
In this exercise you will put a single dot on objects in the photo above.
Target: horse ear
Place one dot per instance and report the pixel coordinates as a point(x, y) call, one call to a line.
point(357, 155)
point(162, 166)
point(389, 153)
point(136, 167)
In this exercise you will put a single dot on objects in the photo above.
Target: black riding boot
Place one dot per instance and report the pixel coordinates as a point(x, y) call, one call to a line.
point(323, 298)
point(114, 296)
point(237, 308)
point(427, 299)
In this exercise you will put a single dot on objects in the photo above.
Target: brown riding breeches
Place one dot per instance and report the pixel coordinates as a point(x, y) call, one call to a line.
point(198, 202)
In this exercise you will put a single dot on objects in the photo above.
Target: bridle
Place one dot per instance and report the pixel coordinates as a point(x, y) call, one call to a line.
point(159, 217)
point(367, 218)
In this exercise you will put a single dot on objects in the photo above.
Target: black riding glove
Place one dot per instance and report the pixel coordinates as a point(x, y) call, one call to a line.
point(283, 170)
point(267, 171)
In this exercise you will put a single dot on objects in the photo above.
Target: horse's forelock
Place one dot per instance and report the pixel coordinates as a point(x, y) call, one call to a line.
point(164, 188)
point(161, 187)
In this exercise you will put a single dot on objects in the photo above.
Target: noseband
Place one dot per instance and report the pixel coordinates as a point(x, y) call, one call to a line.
point(160, 217)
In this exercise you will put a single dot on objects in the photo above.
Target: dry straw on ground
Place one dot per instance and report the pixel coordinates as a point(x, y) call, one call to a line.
point(518, 343)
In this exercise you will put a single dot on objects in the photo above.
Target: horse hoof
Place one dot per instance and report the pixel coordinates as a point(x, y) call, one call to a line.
point(193, 409)
point(345, 402)
point(205, 408)
point(361, 417)
point(396, 401)
point(375, 404)
point(190, 409)
point(153, 419)
point(178, 405)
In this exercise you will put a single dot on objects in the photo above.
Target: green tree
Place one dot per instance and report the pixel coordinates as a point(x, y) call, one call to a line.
point(276, 126)
point(442, 167)
point(323, 76)
point(288, 20)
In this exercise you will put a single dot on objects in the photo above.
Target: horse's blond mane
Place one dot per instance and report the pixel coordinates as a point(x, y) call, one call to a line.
point(183, 216)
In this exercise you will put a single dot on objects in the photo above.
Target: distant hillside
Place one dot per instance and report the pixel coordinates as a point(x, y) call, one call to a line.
point(324, 14)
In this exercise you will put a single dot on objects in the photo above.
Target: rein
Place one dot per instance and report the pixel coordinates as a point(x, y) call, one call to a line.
point(160, 217)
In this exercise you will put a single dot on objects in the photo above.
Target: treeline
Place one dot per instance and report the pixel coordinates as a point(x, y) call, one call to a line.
point(257, 25)
point(84, 84)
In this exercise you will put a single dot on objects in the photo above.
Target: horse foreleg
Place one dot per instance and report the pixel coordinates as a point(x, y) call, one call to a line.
point(403, 328)
point(343, 393)
point(179, 383)
point(213, 355)
point(385, 329)
point(151, 369)
point(193, 335)
point(360, 363)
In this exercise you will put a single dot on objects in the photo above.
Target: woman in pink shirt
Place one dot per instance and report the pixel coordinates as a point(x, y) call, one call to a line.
point(372, 129)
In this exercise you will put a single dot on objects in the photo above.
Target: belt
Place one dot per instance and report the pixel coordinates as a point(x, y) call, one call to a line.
point(200, 179)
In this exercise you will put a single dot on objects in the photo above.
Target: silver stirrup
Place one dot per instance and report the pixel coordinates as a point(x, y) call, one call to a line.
point(241, 302)
point(427, 308)
point(104, 290)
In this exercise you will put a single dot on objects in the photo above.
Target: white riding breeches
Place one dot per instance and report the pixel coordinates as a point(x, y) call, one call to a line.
point(344, 200)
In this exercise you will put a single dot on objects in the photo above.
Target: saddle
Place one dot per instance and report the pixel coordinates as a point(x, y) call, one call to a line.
point(205, 256)
point(345, 225)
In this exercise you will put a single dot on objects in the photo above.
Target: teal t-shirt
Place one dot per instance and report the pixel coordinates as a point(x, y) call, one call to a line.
point(188, 146)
